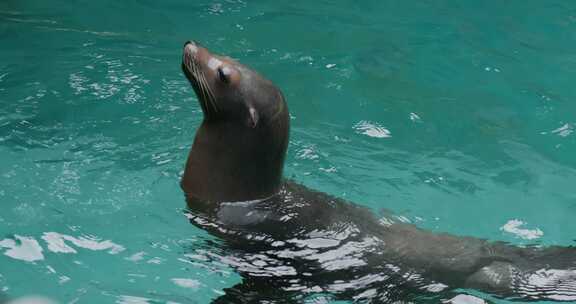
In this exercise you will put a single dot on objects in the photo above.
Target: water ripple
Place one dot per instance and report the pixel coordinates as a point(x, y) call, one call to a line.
point(372, 129)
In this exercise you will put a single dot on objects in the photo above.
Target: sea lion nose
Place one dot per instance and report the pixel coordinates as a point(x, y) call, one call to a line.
point(191, 46)
point(192, 42)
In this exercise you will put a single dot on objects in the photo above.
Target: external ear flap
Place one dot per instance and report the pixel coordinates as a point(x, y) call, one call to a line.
point(253, 117)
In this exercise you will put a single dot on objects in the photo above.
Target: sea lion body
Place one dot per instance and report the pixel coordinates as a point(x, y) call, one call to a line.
point(301, 242)
point(288, 241)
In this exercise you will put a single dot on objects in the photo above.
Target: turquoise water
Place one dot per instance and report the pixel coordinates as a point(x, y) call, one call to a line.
point(458, 117)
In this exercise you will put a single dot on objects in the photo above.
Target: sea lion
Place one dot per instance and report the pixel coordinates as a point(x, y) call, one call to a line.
point(238, 153)
point(289, 242)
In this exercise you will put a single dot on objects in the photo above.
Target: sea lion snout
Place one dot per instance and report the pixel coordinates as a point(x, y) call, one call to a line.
point(191, 49)
point(191, 46)
point(194, 42)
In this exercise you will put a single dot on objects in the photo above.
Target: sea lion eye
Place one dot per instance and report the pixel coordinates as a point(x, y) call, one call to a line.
point(223, 74)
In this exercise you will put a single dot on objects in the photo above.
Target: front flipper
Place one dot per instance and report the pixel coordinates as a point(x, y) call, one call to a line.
point(507, 280)
point(496, 277)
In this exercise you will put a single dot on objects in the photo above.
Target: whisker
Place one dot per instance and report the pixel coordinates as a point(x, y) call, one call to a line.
point(197, 75)
point(212, 99)
point(205, 88)
point(204, 95)
point(187, 62)
point(208, 98)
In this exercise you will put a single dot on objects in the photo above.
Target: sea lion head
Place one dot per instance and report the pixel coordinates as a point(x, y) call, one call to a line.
point(239, 149)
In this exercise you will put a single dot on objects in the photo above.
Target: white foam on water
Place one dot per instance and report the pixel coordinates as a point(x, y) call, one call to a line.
point(23, 248)
point(513, 226)
point(57, 243)
point(186, 283)
point(372, 129)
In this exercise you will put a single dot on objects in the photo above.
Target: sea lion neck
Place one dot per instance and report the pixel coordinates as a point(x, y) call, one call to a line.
point(230, 163)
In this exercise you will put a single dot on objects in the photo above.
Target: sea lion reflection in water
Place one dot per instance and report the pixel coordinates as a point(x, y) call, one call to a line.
point(289, 242)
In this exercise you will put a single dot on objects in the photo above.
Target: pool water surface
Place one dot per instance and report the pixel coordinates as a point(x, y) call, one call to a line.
point(456, 117)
